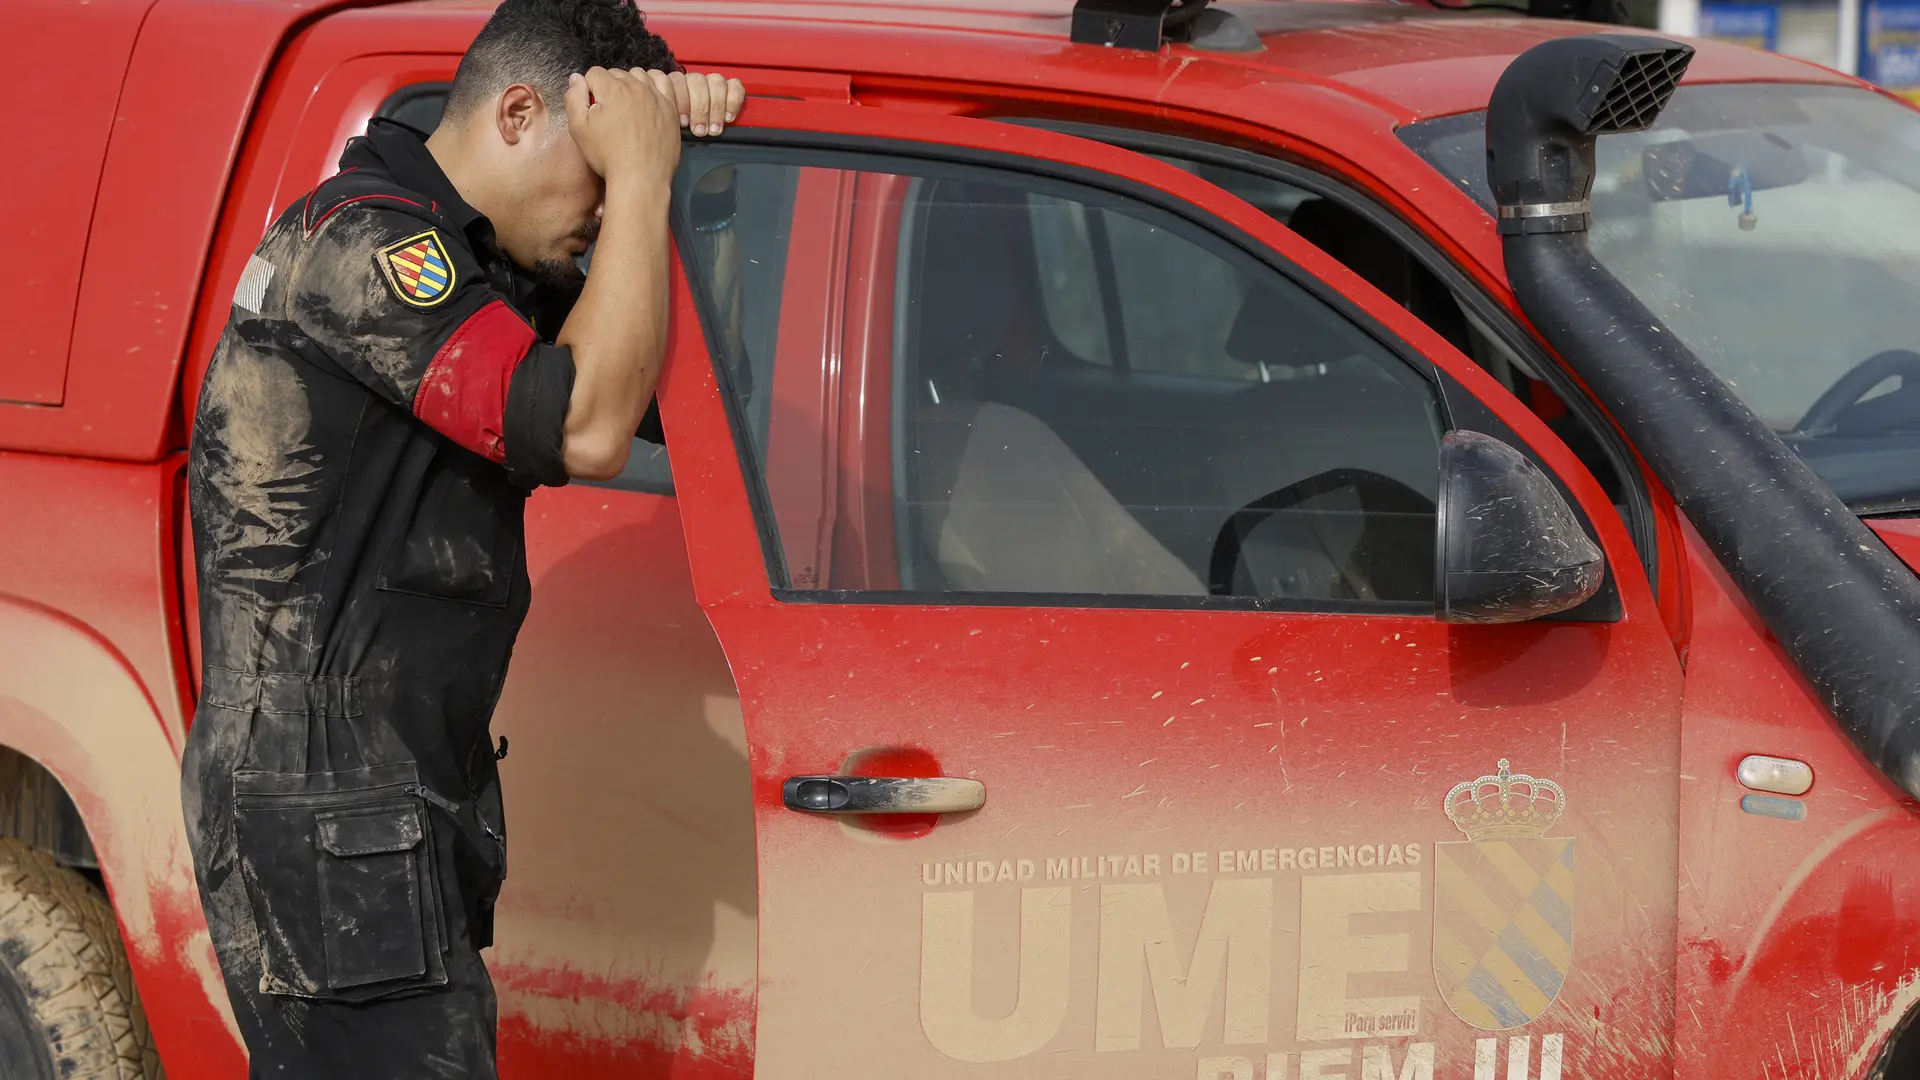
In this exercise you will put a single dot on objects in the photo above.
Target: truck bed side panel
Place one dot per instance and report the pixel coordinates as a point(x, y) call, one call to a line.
point(67, 60)
point(189, 89)
point(92, 690)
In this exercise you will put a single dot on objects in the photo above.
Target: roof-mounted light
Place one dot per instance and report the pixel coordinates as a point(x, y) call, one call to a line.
point(1146, 24)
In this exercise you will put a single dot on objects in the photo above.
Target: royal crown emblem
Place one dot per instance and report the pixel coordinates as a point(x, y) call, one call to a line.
point(1505, 805)
point(1504, 901)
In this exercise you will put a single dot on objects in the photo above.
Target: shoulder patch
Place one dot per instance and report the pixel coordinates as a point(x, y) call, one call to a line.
point(418, 269)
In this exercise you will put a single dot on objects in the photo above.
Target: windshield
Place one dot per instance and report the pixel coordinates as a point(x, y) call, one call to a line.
point(1774, 228)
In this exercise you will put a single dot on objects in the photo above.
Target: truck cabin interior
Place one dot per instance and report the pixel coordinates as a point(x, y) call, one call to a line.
point(1137, 454)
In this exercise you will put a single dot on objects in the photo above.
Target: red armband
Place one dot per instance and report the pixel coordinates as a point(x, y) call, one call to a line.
point(464, 392)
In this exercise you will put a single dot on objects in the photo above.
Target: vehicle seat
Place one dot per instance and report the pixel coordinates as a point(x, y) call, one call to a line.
point(1358, 414)
point(1355, 415)
point(997, 502)
point(1006, 506)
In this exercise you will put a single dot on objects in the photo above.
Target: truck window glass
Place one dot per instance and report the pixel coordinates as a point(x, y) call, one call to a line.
point(1388, 265)
point(1771, 228)
point(418, 106)
point(1022, 466)
point(1107, 277)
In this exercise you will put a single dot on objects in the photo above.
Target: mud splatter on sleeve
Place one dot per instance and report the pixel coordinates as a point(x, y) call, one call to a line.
point(403, 307)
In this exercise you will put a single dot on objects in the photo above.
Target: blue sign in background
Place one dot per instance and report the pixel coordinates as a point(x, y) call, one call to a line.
point(1890, 53)
point(1889, 36)
point(1757, 25)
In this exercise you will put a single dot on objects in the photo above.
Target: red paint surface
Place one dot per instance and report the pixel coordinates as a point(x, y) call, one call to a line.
point(709, 1044)
point(160, 189)
point(863, 552)
point(1902, 535)
point(89, 546)
point(802, 454)
point(628, 825)
point(93, 541)
point(50, 205)
point(1810, 919)
point(528, 1053)
point(192, 1038)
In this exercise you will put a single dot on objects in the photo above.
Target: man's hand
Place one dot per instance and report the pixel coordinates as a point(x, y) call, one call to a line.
point(627, 131)
point(623, 125)
point(707, 103)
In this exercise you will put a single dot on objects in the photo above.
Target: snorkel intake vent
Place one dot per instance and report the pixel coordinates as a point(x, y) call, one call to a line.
point(1548, 108)
point(1844, 609)
point(1632, 95)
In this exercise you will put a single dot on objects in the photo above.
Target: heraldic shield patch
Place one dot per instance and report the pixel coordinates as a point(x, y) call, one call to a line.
point(418, 269)
point(1503, 901)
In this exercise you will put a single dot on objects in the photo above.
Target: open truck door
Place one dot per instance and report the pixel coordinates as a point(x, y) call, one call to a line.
point(1077, 572)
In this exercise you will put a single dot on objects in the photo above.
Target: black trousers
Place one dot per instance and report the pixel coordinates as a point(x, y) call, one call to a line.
point(347, 906)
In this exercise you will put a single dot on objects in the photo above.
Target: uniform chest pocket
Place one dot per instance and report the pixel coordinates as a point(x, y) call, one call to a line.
point(341, 871)
point(462, 534)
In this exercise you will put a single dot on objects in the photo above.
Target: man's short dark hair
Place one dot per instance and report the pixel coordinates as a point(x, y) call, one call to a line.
point(542, 42)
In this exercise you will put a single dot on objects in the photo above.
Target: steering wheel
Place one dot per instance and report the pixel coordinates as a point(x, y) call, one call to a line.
point(1378, 494)
point(1853, 386)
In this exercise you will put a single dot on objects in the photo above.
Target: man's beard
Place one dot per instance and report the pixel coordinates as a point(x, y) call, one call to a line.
point(558, 275)
point(567, 275)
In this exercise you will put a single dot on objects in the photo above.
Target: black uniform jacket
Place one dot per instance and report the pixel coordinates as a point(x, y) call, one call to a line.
point(383, 400)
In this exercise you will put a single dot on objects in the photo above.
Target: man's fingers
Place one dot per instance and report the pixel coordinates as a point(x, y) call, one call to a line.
point(716, 103)
point(678, 82)
point(599, 81)
point(708, 103)
point(577, 98)
point(736, 99)
point(697, 98)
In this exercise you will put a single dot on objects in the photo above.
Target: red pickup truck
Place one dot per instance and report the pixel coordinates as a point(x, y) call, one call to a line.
point(1067, 434)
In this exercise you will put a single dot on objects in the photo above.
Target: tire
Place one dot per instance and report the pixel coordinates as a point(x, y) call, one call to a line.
point(1901, 1058)
point(68, 1009)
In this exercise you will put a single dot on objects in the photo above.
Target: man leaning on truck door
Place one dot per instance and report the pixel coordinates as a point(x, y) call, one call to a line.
point(388, 391)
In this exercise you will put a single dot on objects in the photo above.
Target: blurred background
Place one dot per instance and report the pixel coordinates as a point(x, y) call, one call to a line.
point(1876, 39)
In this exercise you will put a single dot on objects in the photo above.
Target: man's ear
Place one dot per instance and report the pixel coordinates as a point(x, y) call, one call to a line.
point(515, 111)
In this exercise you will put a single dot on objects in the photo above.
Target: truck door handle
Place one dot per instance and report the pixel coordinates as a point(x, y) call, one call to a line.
point(882, 794)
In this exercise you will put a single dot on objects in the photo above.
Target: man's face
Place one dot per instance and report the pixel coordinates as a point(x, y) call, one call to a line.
point(552, 214)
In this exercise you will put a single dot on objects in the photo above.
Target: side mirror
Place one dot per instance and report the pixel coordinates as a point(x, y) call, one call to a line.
point(1509, 548)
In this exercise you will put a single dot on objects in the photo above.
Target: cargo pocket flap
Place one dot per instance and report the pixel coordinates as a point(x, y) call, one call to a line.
point(370, 832)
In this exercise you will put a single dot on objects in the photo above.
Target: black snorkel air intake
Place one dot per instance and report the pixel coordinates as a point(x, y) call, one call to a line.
point(1842, 606)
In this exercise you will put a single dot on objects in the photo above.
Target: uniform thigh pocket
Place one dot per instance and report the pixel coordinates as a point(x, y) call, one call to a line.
point(371, 921)
point(340, 871)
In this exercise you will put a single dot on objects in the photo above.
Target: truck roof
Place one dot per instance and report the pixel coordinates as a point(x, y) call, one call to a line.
point(1338, 75)
point(1415, 60)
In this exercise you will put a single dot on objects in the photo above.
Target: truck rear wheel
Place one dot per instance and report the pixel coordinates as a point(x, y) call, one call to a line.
point(68, 1010)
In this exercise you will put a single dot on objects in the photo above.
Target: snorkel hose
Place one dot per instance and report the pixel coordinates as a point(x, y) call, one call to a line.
point(1844, 609)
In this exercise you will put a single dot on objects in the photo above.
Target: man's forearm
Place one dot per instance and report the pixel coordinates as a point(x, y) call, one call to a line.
point(618, 329)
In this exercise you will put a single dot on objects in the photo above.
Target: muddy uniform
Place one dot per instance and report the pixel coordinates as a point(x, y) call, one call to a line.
point(374, 418)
